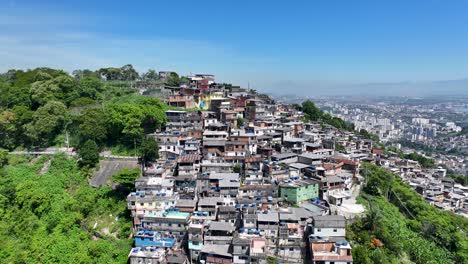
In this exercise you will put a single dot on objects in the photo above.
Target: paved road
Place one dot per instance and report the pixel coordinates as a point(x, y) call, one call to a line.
point(107, 168)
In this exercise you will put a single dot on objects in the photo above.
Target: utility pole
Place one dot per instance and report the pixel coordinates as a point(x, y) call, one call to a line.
point(134, 146)
point(67, 141)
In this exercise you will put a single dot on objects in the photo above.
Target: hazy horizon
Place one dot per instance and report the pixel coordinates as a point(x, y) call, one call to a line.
point(317, 48)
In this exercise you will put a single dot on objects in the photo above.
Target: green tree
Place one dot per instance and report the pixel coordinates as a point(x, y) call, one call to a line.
point(423, 161)
point(7, 129)
point(3, 157)
point(129, 73)
point(92, 125)
point(44, 91)
point(129, 118)
point(80, 74)
point(111, 74)
point(149, 150)
point(271, 260)
point(311, 111)
point(173, 80)
point(90, 87)
point(298, 107)
point(47, 122)
point(126, 177)
point(237, 168)
point(368, 135)
point(150, 75)
point(240, 122)
point(88, 154)
point(340, 148)
point(184, 79)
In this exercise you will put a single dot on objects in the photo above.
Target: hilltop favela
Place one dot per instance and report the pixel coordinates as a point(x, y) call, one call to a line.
point(331, 134)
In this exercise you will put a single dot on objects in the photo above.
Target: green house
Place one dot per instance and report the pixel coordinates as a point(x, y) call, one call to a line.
point(299, 191)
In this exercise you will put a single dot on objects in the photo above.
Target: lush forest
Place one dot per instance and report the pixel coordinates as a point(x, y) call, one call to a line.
point(48, 212)
point(91, 109)
point(400, 227)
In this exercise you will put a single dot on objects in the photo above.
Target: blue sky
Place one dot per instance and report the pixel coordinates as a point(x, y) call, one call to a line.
point(312, 46)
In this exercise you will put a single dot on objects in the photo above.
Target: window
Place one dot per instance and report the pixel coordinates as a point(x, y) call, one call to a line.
point(291, 249)
point(335, 230)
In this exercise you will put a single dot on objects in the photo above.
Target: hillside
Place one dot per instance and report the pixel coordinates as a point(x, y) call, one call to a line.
point(401, 227)
point(49, 214)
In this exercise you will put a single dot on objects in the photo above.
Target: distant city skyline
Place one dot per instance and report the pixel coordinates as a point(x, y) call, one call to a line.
point(412, 48)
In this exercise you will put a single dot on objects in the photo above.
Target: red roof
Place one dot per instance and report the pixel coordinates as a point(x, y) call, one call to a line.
point(377, 151)
point(189, 158)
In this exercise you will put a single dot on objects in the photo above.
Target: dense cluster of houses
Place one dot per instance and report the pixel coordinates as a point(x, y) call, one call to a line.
point(433, 185)
point(242, 179)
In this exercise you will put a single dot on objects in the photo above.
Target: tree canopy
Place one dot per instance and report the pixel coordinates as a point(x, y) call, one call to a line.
point(47, 122)
point(126, 178)
point(37, 108)
point(89, 154)
point(173, 79)
point(149, 150)
point(130, 117)
point(423, 161)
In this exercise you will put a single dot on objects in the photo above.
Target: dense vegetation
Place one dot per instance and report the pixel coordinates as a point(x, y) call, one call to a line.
point(40, 107)
point(313, 113)
point(400, 227)
point(423, 161)
point(49, 214)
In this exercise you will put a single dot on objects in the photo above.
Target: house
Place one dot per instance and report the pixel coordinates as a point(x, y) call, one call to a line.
point(146, 255)
point(171, 220)
point(216, 254)
point(310, 158)
point(258, 191)
point(240, 250)
point(183, 101)
point(259, 249)
point(285, 158)
point(268, 223)
point(186, 205)
point(329, 226)
point(325, 252)
point(219, 233)
point(195, 232)
point(299, 190)
point(188, 165)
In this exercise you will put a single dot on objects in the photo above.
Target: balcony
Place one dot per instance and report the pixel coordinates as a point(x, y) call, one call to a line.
point(216, 260)
point(165, 227)
point(292, 243)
